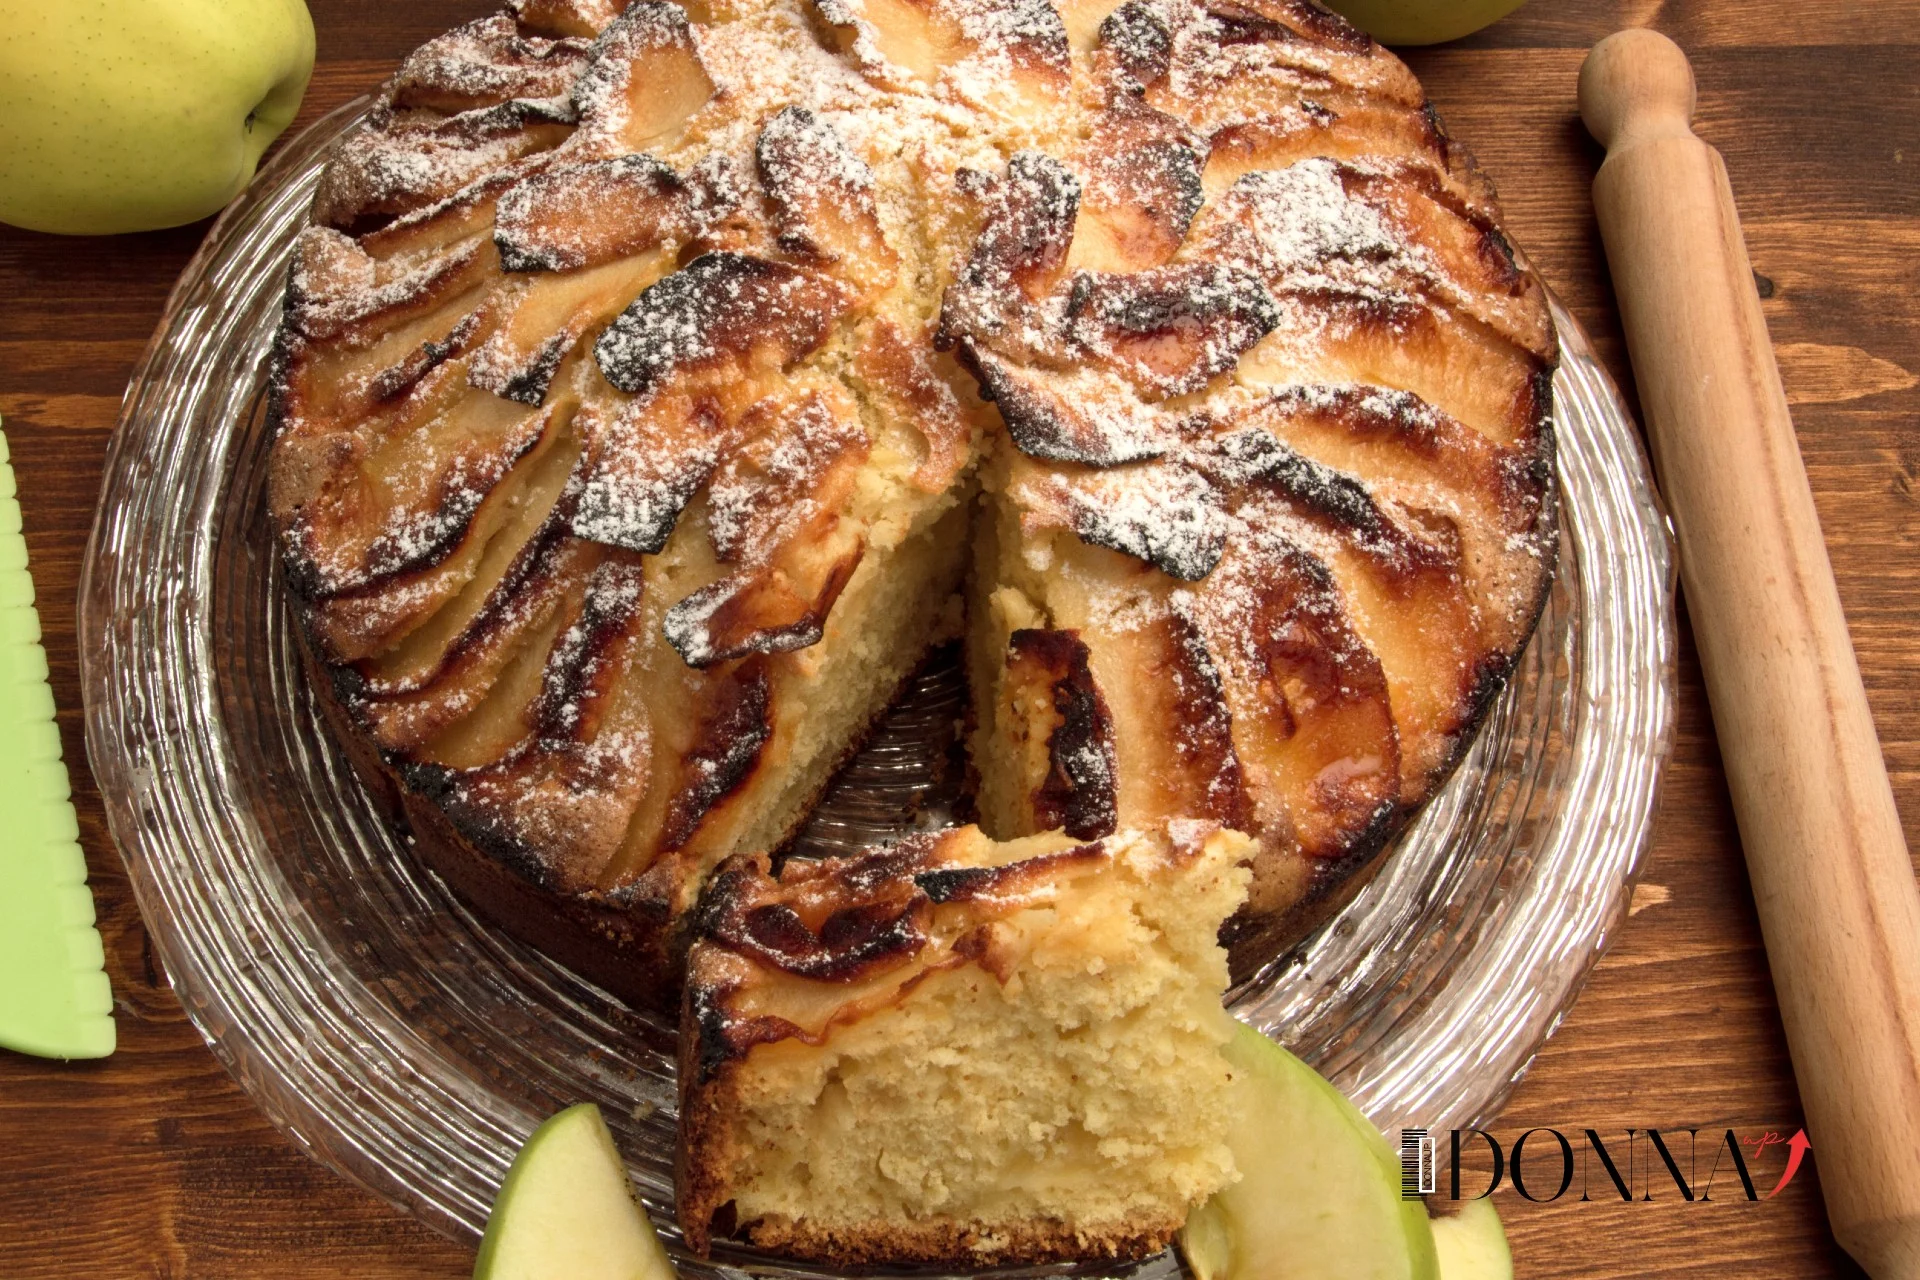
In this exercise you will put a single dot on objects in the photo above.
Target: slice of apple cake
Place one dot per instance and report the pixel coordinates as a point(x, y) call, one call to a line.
point(958, 1051)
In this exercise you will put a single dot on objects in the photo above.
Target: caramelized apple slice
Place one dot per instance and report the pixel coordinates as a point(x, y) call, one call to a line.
point(1017, 258)
point(1168, 330)
point(406, 161)
point(1326, 226)
point(1161, 512)
point(1339, 126)
point(1134, 45)
point(401, 494)
point(642, 82)
point(483, 64)
point(710, 729)
point(822, 197)
point(644, 462)
point(1175, 756)
point(1235, 62)
point(719, 306)
point(901, 376)
point(1083, 20)
point(542, 320)
point(1448, 360)
point(775, 510)
point(504, 723)
point(402, 630)
point(1086, 415)
point(1052, 712)
point(1142, 189)
point(775, 606)
point(341, 295)
point(893, 35)
point(439, 228)
point(547, 575)
point(1401, 579)
point(991, 48)
point(801, 458)
point(1498, 498)
point(566, 17)
point(1313, 723)
point(361, 332)
point(582, 215)
point(557, 757)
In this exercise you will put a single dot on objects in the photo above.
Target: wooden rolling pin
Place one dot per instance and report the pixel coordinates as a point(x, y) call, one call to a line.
point(1831, 878)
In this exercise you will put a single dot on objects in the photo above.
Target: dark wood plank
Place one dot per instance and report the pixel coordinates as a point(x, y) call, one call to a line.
point(154, 1163)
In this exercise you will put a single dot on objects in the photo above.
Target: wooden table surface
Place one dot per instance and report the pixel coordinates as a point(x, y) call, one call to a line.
point(153, 1163)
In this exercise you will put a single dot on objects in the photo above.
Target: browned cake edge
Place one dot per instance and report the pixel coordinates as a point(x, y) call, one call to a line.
point(635, 951)
point(1254, 942)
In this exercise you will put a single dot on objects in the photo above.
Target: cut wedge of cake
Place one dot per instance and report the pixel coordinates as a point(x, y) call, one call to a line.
point(958, 1051)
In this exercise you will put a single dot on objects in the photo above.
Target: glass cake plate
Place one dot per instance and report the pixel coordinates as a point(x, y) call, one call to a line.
point(401, 1041)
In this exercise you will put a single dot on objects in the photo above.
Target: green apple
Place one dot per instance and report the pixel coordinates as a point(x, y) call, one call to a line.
point(1422, 21)
point(1319, 1191)
point(1472, 1244)
point(566, 1211)
point(127, 115)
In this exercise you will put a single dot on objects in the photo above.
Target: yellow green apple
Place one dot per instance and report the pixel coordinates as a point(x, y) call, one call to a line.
point(1319, 1190)
point(566, 1211)
point(128, 115)
point(1472, 1244)
point(1422, 21)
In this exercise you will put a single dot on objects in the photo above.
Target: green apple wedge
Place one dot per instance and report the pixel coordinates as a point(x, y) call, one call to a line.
point(1422, 21)
point(566, 1211)
point(1472, 1244)
point(1319, 1192)
point(130, 115)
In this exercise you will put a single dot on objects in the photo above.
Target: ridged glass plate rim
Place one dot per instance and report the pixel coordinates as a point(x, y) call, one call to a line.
point(1425, 998)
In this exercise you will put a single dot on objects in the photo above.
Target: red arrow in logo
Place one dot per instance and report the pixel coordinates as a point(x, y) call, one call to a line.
point(1797, 1148)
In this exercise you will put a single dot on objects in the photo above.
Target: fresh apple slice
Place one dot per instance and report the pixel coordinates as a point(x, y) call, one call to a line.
point(1472, 1244)
point(565, 1211)
point(1319, 1193)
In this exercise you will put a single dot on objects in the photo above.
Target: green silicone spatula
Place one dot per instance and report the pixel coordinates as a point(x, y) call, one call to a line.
point(54, 998)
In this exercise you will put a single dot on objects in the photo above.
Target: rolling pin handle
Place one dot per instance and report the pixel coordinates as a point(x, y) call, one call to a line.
point(1635, 85)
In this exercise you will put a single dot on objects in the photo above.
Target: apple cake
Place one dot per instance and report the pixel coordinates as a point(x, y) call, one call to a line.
point(961, 1052)
point(658, 384)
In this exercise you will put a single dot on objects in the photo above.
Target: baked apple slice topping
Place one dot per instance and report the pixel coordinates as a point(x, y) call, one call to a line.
point(1007, 53)
point(1337, 126)
point(1229, 63)
point(644, 462)
point(1313, 724)
point(822, 198)
point(1167, 330)
point(1164, 511)
point(404, 161)
point(386, 514)
point(642, 83)
point(775, 509)
point(722, 307)
point(485, 63)
point(540, 322)
point(586, 18)
point(1142, 187)
point(1052, 712)
point(591, 212)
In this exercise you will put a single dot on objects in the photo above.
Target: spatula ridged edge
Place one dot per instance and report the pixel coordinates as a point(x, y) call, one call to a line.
point(72, 1016)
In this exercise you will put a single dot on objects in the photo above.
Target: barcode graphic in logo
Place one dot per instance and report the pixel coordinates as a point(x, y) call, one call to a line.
point(1416, 1164)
